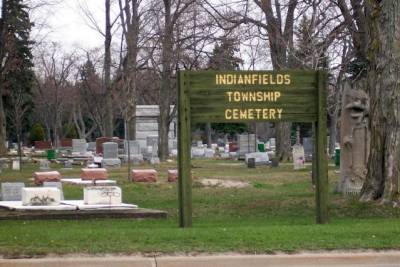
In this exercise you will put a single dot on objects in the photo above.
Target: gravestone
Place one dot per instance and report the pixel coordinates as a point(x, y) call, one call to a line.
point(308, 148)
point(261, 158)
point(44, 165)
point(41, 196)
point(209, 153)
point(66, 142)
point(56, 185)
point(92, 146)
point(79, 146)
point(11, 191)
point(110, 155)
point(151, 140)
point(298, 157)
point(68, 164)
point(16, 166)
point(134, 150)
point(355, 139)
point(198, 152)
point(247, 144)
point(42, 145)
point(102, 195)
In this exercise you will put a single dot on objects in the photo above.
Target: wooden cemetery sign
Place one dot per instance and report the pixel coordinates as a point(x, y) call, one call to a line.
point(246, 96)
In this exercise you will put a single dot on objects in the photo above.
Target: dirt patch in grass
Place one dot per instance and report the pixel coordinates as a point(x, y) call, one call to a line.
point(222, 183)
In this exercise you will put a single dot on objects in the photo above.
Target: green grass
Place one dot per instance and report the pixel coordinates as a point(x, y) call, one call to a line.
point(275, 213)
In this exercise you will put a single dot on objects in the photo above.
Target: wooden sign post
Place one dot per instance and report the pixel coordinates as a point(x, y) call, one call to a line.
point(246, 96)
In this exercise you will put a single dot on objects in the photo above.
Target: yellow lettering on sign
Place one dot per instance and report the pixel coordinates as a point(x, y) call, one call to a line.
point(252, 79)
point(253, 114)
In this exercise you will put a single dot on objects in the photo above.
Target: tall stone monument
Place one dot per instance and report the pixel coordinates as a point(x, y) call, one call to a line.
point(355, 140)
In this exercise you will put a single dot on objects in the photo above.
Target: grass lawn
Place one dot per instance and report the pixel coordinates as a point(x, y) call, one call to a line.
point(275, 213)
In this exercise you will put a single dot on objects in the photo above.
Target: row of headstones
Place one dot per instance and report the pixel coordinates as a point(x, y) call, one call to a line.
point(13, 191)
point(93, 195)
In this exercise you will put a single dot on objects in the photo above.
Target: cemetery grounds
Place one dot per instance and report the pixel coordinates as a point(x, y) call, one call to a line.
point(274, 213)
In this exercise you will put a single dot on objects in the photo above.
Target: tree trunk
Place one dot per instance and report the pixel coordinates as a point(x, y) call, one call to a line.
point(383, 173)
point(109, 128)
point(164, 101)
point(3, 133)
point(208, 134)
point(283, 141)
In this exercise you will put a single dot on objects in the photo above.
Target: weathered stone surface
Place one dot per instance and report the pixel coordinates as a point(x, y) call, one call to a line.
point(172, 176)
point(209, 153)
point(11, 191)
point(102, 195)
point(79, 146)
point(41, 177)
point(16, 166)
point(94, 174)
point(56, 185)
point(41, 196)
point(44, 165)
point(198, 152)
point(145, 175)
point(261, 158)
point(298, 157)
point(355, 140)
point(110, 150)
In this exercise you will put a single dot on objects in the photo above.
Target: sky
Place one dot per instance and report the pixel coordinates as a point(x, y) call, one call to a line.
point(68, 26)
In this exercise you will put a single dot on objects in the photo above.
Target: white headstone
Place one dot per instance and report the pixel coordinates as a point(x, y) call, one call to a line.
point(16, 166)
point(209, 153)
point(11, 191)
point(68, 164)
point(197, 152)
point(154, 160)
point(261, 158)
point(298, 157)
point(102, 195)
point(79, 146)
point(41, 196)
point(44, 164)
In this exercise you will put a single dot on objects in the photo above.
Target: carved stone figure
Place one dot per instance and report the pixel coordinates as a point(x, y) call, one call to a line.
point(355, 139)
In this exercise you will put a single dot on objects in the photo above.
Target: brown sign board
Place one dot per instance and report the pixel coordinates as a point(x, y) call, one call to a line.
point(248, 96)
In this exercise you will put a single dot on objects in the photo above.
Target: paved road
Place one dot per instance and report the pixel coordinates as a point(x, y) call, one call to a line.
point(383, 259)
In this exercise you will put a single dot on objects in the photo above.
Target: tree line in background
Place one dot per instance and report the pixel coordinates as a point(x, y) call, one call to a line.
point(95, 93)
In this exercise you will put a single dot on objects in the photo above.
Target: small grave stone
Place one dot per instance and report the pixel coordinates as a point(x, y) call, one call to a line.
point(308, 148)
point(91, 146)
point(41, 196)
point(298, 157)
point(154, 160)
point(94, 174)
point(68, 164)
point(44, 165)
point(274, 162)
point(41, 177)
point(16, 166)
point(224, 155)
point(79, 146)
point(200, 144)
point(247, 144)
point(102, 195)
point(144, 175)
point(66, 142)
point(209, 153)
point(198, 152)
point(56, 185)
point(11, 191)
point(110, 155)
point(261, 158)
point(172, 176)
point(151, 139)
point(42, 145)
point(251, 162)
